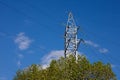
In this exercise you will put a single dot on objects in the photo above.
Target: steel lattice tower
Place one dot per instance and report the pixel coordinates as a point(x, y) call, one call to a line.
point(71, 40)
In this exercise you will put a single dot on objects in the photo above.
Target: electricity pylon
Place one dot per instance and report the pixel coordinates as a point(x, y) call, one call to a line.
point(70, 36)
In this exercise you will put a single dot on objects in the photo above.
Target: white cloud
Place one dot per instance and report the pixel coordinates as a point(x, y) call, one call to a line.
point(91, 43)
point(55, 54)
point(113, 66)
point(20, 56)
point(103, 50)
point(96, 46)
point(19, 63)
point(52, 55)
point(23, 41)
point(44, 66)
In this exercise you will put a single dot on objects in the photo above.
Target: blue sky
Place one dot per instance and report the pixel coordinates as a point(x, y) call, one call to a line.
point(31, 31)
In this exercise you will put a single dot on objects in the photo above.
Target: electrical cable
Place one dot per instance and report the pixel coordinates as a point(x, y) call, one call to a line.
point(109, 58)
point(50, 29)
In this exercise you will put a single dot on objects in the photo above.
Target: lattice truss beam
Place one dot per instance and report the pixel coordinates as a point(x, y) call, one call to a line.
point(71, 40)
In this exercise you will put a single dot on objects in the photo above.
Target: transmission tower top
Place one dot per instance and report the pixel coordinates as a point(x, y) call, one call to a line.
point(70, 36)
point(71, 20)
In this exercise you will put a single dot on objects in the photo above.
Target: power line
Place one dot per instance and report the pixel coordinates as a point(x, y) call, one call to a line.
point(50, 29)
point(41, 11)
point(103, 38)
point(38, 9)
point(95, 36)
point(109, 58)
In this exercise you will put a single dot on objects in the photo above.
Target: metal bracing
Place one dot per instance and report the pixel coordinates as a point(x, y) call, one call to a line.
point(71, 40)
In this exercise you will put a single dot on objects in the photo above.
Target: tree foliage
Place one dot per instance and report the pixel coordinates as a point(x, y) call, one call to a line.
point(68, 69)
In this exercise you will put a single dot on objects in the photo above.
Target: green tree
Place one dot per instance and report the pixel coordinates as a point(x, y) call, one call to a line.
point(68, 69)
